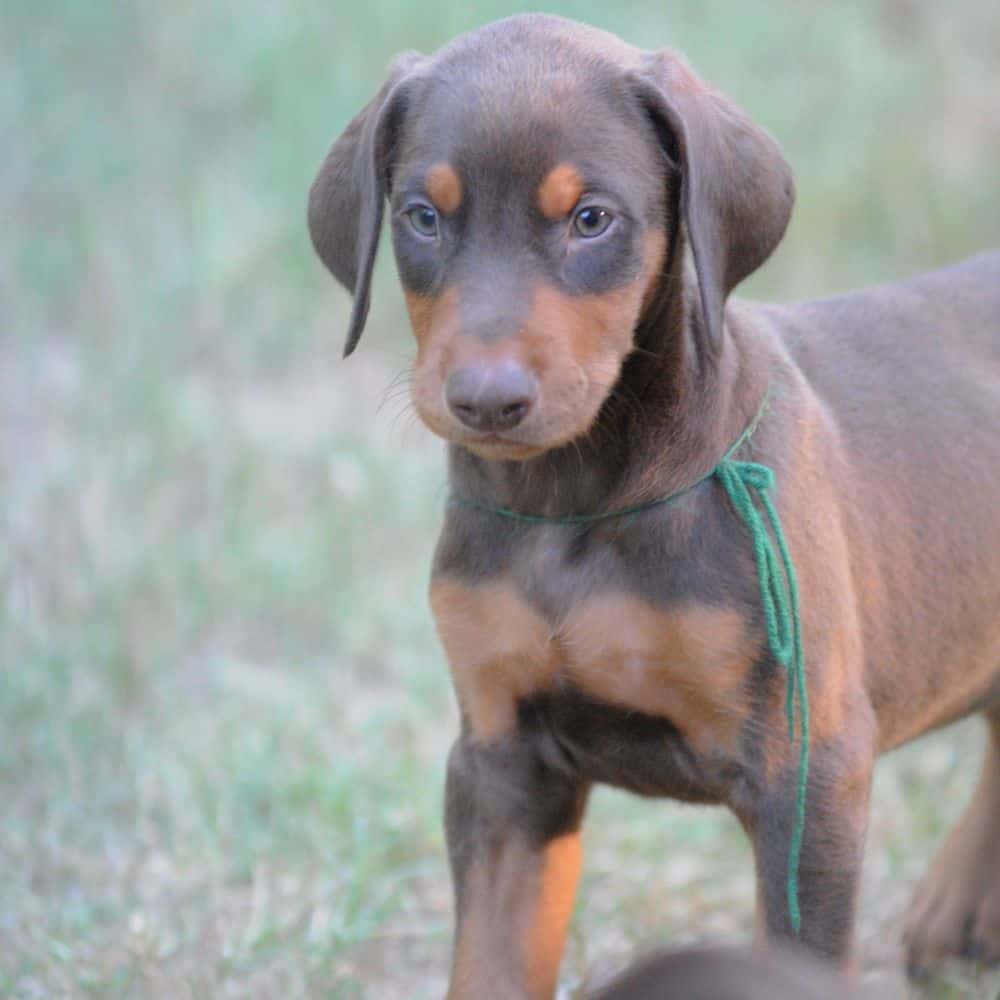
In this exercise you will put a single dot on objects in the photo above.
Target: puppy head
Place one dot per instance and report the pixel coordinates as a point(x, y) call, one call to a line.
point(529, 168)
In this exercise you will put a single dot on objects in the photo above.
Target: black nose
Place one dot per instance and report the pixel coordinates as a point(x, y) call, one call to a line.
point(491, 397)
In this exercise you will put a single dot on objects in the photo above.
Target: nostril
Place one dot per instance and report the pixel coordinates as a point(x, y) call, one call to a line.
point(466, 412)
point(513, 413)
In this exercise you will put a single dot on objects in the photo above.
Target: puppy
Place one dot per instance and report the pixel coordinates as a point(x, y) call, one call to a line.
point(696, 547)
point(728, 974)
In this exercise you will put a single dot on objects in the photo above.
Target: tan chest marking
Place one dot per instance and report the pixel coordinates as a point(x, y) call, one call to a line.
point(499, 650)
point(688, 664)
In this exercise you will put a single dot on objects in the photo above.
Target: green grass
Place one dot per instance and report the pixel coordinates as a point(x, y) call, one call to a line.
point(224, 712)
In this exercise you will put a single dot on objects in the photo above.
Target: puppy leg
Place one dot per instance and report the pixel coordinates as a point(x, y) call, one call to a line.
point(956, 909)
point(832, 852)
point(512, 823)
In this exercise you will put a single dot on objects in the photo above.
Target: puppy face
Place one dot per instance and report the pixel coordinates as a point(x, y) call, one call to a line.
point(527, 204)
point(532, 169)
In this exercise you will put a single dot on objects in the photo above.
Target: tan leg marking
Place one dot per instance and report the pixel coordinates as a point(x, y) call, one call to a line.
point(515, 912)
point(545, 932)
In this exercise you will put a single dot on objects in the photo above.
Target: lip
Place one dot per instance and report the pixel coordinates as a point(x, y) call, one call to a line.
point(499, 448)
point(491, 445)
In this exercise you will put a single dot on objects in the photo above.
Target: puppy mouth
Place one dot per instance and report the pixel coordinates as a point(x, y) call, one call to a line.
point(518, 444)
point(525, 441)
point(498, 447)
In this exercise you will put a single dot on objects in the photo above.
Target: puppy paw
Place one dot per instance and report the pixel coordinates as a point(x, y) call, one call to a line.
point(955, 913)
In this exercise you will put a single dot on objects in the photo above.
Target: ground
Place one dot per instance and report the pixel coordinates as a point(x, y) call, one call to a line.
point(224, 712)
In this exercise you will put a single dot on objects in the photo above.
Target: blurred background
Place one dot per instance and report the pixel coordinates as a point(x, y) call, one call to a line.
point(223, 711)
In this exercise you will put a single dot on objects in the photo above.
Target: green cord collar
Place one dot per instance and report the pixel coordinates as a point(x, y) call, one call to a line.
point(607, 515)
point(749, 487)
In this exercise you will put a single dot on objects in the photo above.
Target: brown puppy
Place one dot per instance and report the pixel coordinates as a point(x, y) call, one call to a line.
point(569, 215)
point(727, 974)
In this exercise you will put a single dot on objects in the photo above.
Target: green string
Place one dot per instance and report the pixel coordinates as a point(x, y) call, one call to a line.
point(749, 486)
point(779, 591)
point(606, 515)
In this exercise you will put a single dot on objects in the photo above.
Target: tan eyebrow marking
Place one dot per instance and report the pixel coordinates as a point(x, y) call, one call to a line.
point(560, 191)
point(444, 187)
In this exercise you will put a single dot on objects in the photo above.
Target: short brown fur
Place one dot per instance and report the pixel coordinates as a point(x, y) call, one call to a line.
point(576, 344)
point(633, 650)
point(523, 900)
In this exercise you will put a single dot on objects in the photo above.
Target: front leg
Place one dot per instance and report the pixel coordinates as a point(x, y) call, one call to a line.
point(512, 819)
point(832, 849)
point(956, 910)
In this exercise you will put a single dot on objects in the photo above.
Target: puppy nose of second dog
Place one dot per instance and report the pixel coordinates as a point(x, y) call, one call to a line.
point(494, 397)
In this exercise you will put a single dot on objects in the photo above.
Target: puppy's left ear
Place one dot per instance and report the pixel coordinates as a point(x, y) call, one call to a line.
point(347, 197)
point(736, 188)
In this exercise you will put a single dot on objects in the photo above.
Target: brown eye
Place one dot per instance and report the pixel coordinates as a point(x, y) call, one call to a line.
point(424, 220)
point(592, 221)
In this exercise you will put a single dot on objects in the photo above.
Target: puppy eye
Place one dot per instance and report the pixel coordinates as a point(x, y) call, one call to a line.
point(592, 221)
point(424, 220)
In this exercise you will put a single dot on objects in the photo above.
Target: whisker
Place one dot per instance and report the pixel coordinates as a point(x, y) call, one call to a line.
point(399, 384)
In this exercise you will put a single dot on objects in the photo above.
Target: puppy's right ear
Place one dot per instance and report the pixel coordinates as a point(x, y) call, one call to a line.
point(348, 195)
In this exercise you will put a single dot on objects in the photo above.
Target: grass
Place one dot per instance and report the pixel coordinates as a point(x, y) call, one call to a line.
point(224, 712)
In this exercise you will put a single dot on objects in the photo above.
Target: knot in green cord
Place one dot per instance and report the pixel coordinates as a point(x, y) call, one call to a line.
point(779, 594)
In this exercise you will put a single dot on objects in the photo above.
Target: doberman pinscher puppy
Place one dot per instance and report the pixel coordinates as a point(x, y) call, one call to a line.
point(569, 215)
point(727, 974)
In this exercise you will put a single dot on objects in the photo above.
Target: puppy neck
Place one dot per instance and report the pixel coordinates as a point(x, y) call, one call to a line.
point(676, 407)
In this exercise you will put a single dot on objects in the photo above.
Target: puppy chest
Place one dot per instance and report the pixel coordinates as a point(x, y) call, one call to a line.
point(687, 663)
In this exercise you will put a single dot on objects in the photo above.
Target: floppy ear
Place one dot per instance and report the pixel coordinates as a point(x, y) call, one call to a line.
point(348, 195)
point(736, 188)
